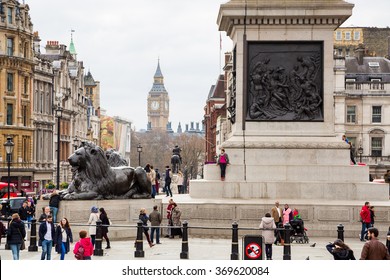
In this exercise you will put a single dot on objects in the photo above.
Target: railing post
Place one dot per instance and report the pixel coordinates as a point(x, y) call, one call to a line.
point(33, 236)
point(287, 245)
point(184, 242)
point(6, 247)
point(139, 243)
point(340, 232)
point(98, 240)
point(234, 255)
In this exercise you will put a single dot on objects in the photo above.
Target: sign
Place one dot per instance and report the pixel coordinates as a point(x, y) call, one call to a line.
point(253, 247)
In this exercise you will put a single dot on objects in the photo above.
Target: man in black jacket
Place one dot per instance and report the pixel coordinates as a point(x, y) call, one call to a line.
point(23, 212)
point(54, 204)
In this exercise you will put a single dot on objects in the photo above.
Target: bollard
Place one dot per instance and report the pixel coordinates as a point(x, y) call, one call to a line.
point(287, 241)
point(139, 243)
point(184, 242)
point(234, 255)
point(33, 236)
point(6, 246)
point(340, 232)
point(98, 240)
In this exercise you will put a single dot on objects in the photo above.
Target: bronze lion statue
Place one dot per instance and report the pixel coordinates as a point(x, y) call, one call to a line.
point(94, 178)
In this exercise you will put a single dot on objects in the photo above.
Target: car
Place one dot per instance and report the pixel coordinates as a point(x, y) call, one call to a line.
point(15, 204)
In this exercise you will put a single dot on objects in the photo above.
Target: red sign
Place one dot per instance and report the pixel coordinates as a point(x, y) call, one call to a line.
point(253, 251)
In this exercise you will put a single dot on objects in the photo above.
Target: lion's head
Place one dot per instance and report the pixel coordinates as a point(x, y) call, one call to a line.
point(115, 159)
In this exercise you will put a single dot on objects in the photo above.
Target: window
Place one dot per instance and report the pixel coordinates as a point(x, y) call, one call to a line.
point(10, 112)
point(351, 114)
point(348, 35)
point(10, 46)
point(376, 114)
point(10, 81)
point(356, 35)
point(338, 36)
point(347, 52)
point(340, 52)
point(26, 85)
point(376, 146)
point(9, 15)
point(24, 115)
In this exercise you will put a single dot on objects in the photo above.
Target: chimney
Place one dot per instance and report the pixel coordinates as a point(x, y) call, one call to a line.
point(186, 127)
point(197, 126)
point(359, 53)
point(192, 125)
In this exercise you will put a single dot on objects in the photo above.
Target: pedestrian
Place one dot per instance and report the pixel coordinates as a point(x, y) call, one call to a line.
point(105, 224)
point(2, 228)
point(158, 177)
point(144, 218)
point(23, 212)
point(54, 204)
point(287, 214)
point(93, 218)
point(345, 139)
point(169, 217)
point(388, 240)
point(386, 177)
point(30, 212)
point(365, 218)
point(168, 180)
point(352, 153)
point(340, 250)
point(277, 215)
point(155, 221)
point(15, 235)
point(223, 161)
point(46, 212)
point(63, 238)
point(372, 215)
point(296, 214)
point(268, 222)
point(153, 181)
point(374, 249)
point(180, 182)
point(86, 244)
point(46, 237)
point(176, 222)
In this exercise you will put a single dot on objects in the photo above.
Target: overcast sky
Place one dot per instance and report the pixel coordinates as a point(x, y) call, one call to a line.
point(120, 42)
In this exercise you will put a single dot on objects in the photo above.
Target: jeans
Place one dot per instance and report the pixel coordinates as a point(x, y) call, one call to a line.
point(268, 251)
point(223, 169)
point(153, 191)
point(47, 245)
point(168, 189)
point(157, 230)
point(365, 227)
point(63, 250)
point(29, 218)
point(15, 248)
point(54, 211)
point(93, 237)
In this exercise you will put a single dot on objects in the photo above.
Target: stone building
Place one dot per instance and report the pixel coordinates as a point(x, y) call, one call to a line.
point(92, 90)
point(376, 40)
point(16, 91)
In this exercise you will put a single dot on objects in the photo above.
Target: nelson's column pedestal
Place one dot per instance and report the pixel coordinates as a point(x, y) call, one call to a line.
point(282, 144)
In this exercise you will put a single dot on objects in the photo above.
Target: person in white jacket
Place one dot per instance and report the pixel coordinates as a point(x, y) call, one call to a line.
point(93, 218)
point(268, 223)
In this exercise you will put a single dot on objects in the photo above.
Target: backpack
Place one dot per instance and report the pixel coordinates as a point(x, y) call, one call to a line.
point(80, 252)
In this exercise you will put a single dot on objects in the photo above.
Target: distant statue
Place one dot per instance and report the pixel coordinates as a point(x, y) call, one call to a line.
point(95, 179)
point(176, 159)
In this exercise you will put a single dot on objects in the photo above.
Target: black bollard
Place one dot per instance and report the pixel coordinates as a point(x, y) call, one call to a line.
point(234, 255)
point(184, 242)
point(340, 232)
point(6, 247)
point(139, 243)
point(287, 242)
point(33, 236)
point(98, 240)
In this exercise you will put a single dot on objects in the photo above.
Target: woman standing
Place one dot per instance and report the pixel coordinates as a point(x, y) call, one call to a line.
point(287, 214)
point(105, 223)
point(180, 180)
point(63, 238)
point(268, 222)
point(144, 218)
point(176, 222)
point(223, 161)
point(93, 218)
point(15, 235)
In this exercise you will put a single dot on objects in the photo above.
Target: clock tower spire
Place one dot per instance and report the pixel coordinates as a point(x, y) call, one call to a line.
point(158, 102)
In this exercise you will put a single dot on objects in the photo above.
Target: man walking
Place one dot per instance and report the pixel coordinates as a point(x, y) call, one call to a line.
point(277, 214)
point(168, 180)
point(155, 221)
point(365, 216)
point(46, 235)
point(374, 249)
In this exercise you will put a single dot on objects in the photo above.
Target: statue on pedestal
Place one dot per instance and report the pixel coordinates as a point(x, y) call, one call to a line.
point(176, 159)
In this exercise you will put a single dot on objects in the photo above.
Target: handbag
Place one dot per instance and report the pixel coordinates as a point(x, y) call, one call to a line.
point(23, 245)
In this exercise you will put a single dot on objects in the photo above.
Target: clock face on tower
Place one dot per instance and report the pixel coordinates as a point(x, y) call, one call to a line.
point(155, 105)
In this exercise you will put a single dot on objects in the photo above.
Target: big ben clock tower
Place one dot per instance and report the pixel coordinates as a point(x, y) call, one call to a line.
point(158, 102)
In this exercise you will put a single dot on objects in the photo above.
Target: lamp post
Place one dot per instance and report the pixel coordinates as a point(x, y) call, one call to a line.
point(9, 148)
point(59, 116)
point(360, 152)
point(139, 150)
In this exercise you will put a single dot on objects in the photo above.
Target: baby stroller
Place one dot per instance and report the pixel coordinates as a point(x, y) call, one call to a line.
point(299, 232)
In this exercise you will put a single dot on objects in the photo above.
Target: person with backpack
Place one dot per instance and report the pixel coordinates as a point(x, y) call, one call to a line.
point(83, 249)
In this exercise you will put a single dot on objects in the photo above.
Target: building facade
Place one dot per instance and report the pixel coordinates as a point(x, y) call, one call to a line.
point(16, 91)
point(158, 103)
point(92, 90)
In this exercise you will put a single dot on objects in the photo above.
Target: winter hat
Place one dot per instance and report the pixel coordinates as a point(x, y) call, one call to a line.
point(94, 209)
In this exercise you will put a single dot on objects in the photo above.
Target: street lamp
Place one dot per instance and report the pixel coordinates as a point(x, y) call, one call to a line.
point(139, 150)
point(76, 143)
point(9, 148)
point(59, 116)
point(360, 152)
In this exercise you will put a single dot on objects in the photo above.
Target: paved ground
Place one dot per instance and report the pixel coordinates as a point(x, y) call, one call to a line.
point(199, 249)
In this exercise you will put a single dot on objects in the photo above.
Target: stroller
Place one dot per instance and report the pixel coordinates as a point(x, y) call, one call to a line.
point(299, 232)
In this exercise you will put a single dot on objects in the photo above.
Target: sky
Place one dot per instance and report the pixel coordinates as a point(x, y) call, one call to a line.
point(121, 41)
